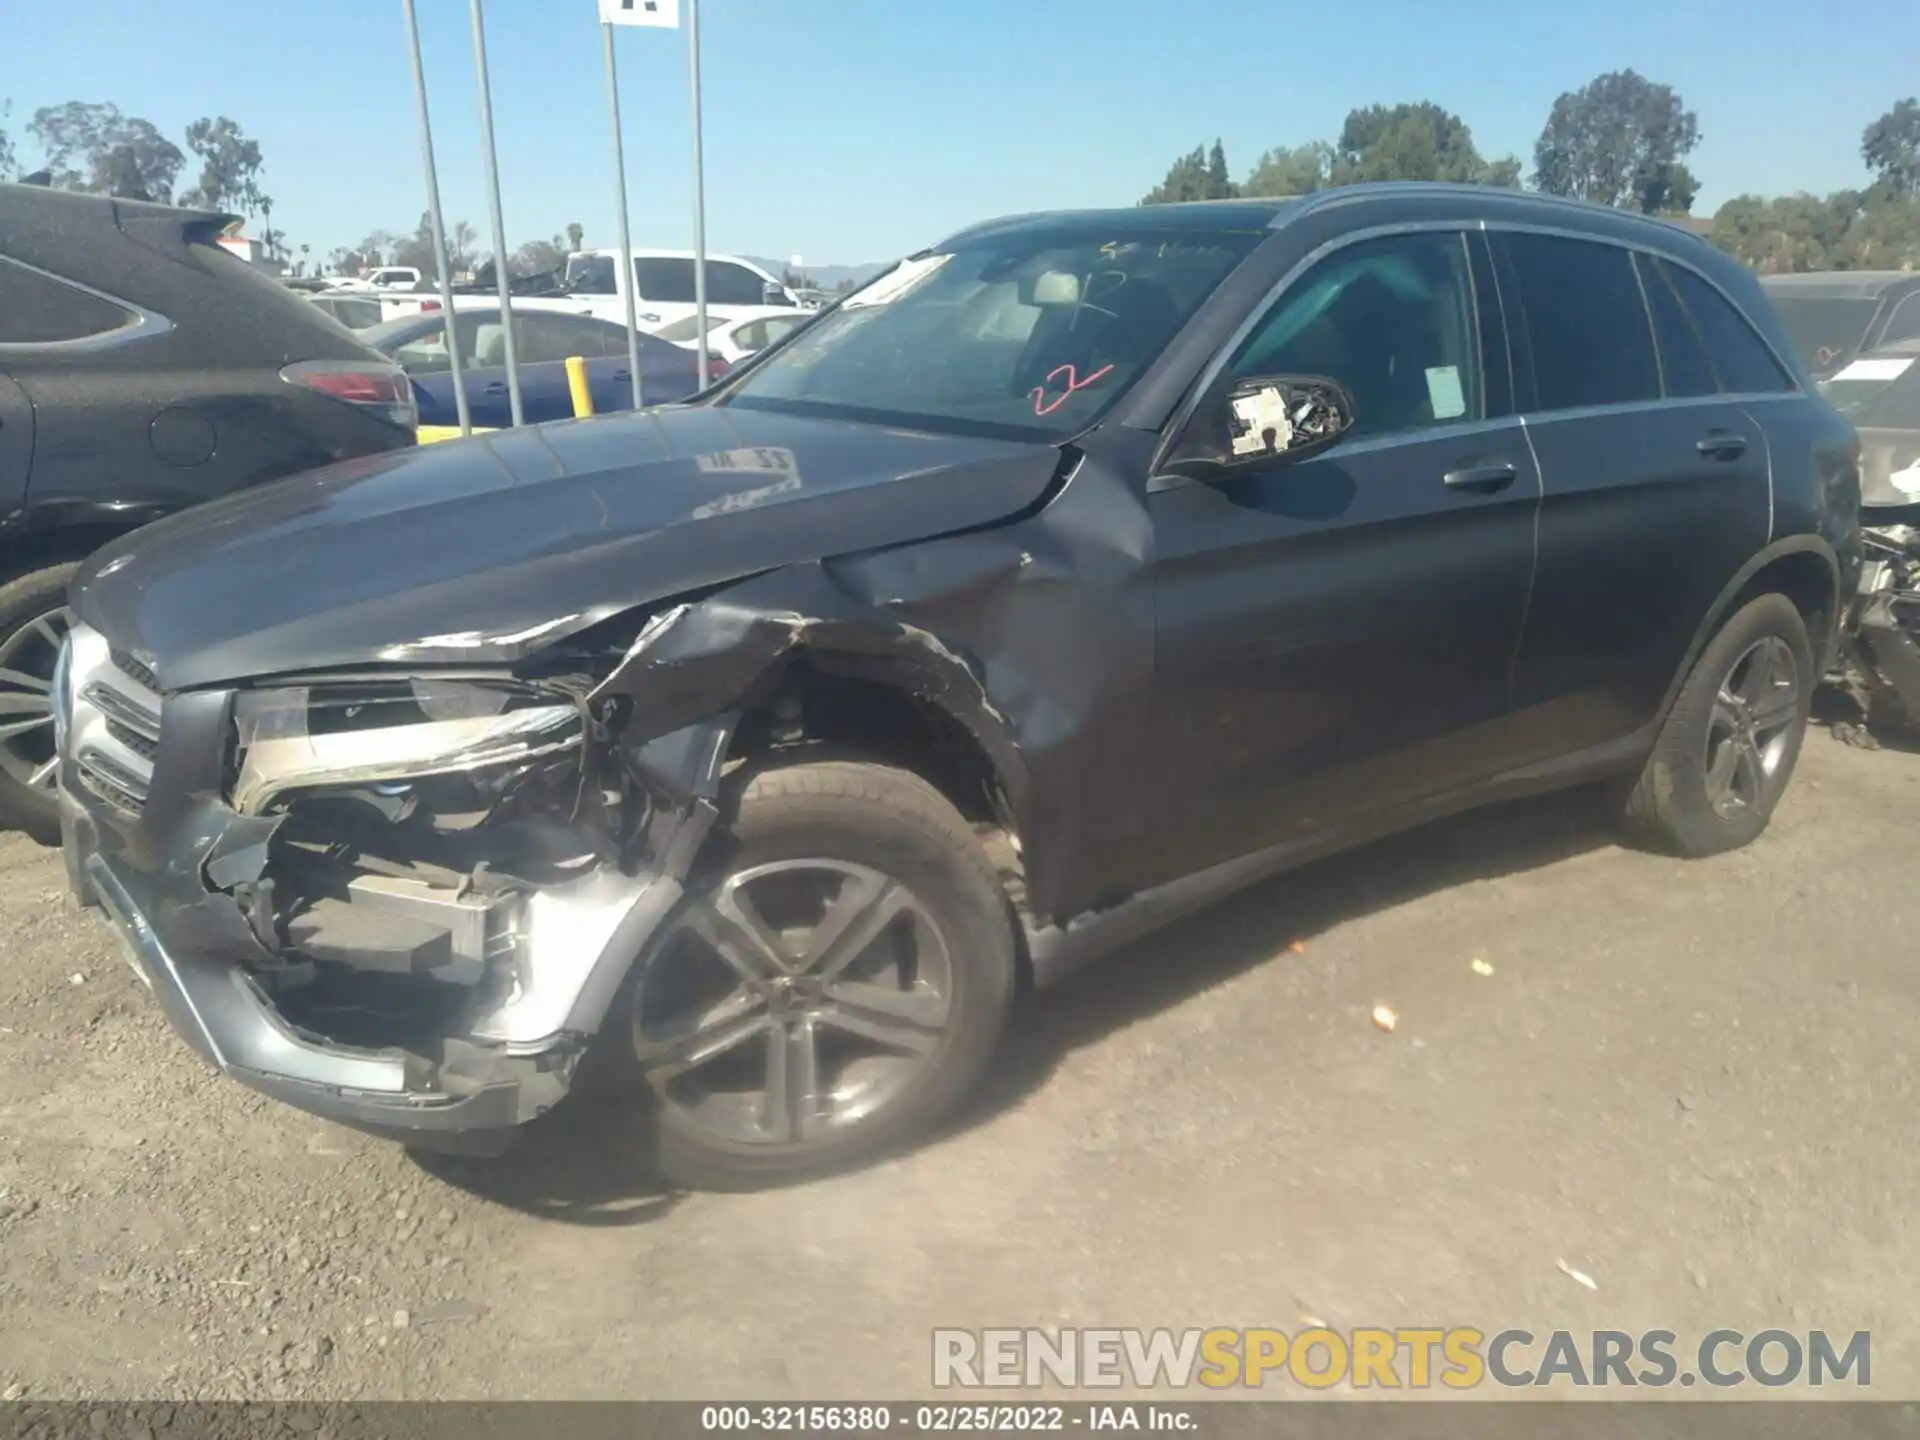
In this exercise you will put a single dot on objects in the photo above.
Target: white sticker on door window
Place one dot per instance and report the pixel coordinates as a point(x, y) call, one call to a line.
point(1445, 393)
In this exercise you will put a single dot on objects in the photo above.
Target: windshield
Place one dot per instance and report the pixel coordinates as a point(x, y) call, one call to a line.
point(1878, 392)
point(1824, 329)
point(1033, 334)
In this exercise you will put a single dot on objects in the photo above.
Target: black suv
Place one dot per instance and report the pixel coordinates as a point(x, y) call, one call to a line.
point(1079, 569)
point(143, 368)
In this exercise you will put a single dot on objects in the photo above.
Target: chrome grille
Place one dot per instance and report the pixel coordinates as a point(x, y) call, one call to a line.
point(113, 722)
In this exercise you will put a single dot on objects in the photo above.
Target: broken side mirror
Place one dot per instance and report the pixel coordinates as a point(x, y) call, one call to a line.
point(1264, 420)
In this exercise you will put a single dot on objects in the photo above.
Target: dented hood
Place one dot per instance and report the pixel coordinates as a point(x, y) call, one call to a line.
point(482, 550)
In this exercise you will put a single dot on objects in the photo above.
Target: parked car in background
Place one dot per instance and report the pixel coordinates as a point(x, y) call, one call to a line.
point(1073, 573)
point(544, 340)
point(143, 369)
point(1835, 315)
point(394, 277)
point(735, 340)
point(360, 311)
point(665, 289)
point(1880, 393)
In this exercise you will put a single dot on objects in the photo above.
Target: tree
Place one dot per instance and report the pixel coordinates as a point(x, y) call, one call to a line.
point(96, 148)
point(1419, 141)
point(1619, 140)
point(1891, 148)
point(379, 248)
point(1295, 170)
point(537, 257)
point(229, 167)
point(576, 232)
point(6, 144)
point(1847, 230)
point(1196, 176)
point(417, 249)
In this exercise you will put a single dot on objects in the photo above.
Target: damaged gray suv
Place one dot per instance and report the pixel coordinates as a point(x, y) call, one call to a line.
point(760, 749)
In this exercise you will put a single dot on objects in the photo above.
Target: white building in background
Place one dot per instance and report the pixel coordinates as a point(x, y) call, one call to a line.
point(253, 252)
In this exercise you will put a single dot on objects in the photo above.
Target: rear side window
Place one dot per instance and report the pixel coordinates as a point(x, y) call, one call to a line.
point(1586, 323)
point(734, 285)
point(1746, 365)
point(669, 282)
point(36, 309)
point(1683, 354)
point(1904, 323)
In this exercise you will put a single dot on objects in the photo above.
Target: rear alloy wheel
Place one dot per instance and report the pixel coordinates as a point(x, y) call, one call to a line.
point(834, 982)
point(1728, 747)
point(34, 621)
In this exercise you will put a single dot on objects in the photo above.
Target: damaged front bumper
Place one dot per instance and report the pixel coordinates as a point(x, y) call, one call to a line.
point(442, 1010)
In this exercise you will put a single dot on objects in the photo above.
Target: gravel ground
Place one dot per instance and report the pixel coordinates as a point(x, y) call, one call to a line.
point(1693, 1083)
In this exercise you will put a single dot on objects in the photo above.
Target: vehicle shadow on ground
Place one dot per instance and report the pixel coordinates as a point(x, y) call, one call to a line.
point(589, 1162)
point(1256, 926)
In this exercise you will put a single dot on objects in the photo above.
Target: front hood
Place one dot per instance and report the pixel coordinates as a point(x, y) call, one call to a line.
point(482, 550)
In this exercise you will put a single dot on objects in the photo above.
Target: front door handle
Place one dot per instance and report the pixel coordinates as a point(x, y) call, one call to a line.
point(495, 387)
point(1722, 445)
point(1482, 479)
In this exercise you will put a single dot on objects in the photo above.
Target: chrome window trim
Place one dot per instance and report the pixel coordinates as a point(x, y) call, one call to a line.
point(1642, 248)
point(143, 322)
point(1211, 373)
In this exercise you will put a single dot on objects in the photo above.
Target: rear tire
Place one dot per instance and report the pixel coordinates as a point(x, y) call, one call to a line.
point(1728, 748)
point(33, 616)
point(928, 992)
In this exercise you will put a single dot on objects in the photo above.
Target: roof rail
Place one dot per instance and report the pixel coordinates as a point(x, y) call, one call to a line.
point(1347, 194)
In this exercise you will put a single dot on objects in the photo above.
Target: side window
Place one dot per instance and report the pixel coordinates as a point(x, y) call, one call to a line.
point(36, 309)
point(751, 338)
point(1586, 323)
point(1683, 354)
point(664, 280)
point(1392, 320)
point(1904, 322)
point(1745, 364)
point(729, 284)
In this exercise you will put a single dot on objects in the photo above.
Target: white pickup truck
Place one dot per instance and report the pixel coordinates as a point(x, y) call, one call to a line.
point(736, 290)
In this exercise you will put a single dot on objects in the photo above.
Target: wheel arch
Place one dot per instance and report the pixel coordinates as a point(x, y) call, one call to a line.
point(1805, 569)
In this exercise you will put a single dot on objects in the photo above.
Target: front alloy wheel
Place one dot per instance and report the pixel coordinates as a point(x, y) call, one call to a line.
point(833, 984)
point(795, 999)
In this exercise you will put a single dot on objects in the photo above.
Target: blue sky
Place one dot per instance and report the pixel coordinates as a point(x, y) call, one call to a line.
point(856, 130)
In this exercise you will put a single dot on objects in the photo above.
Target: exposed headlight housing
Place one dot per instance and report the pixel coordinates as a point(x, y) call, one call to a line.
point(302, 736)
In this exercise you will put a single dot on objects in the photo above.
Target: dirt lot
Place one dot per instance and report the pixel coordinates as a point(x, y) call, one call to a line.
point(1695, 1083)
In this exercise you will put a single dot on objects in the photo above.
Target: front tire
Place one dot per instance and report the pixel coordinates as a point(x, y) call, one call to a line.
point(34, 620)
point(1731, 741)
point(833, 985)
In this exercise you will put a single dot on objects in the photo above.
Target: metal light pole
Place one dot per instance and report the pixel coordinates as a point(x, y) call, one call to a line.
point(627, 283)
point(699, 196)
point(439, 226)
point(499, 226)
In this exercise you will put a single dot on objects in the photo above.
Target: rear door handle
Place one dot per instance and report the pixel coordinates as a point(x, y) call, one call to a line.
point(1482, 479)
point(1722, 445)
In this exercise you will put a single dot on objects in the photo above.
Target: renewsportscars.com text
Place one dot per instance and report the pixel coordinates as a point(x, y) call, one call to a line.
point(1457, 1358)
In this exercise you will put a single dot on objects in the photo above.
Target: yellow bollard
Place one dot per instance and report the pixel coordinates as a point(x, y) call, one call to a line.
point(577, 383)
point(433, 434)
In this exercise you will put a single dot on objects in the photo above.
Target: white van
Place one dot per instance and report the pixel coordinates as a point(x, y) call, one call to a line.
point(736, 288)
